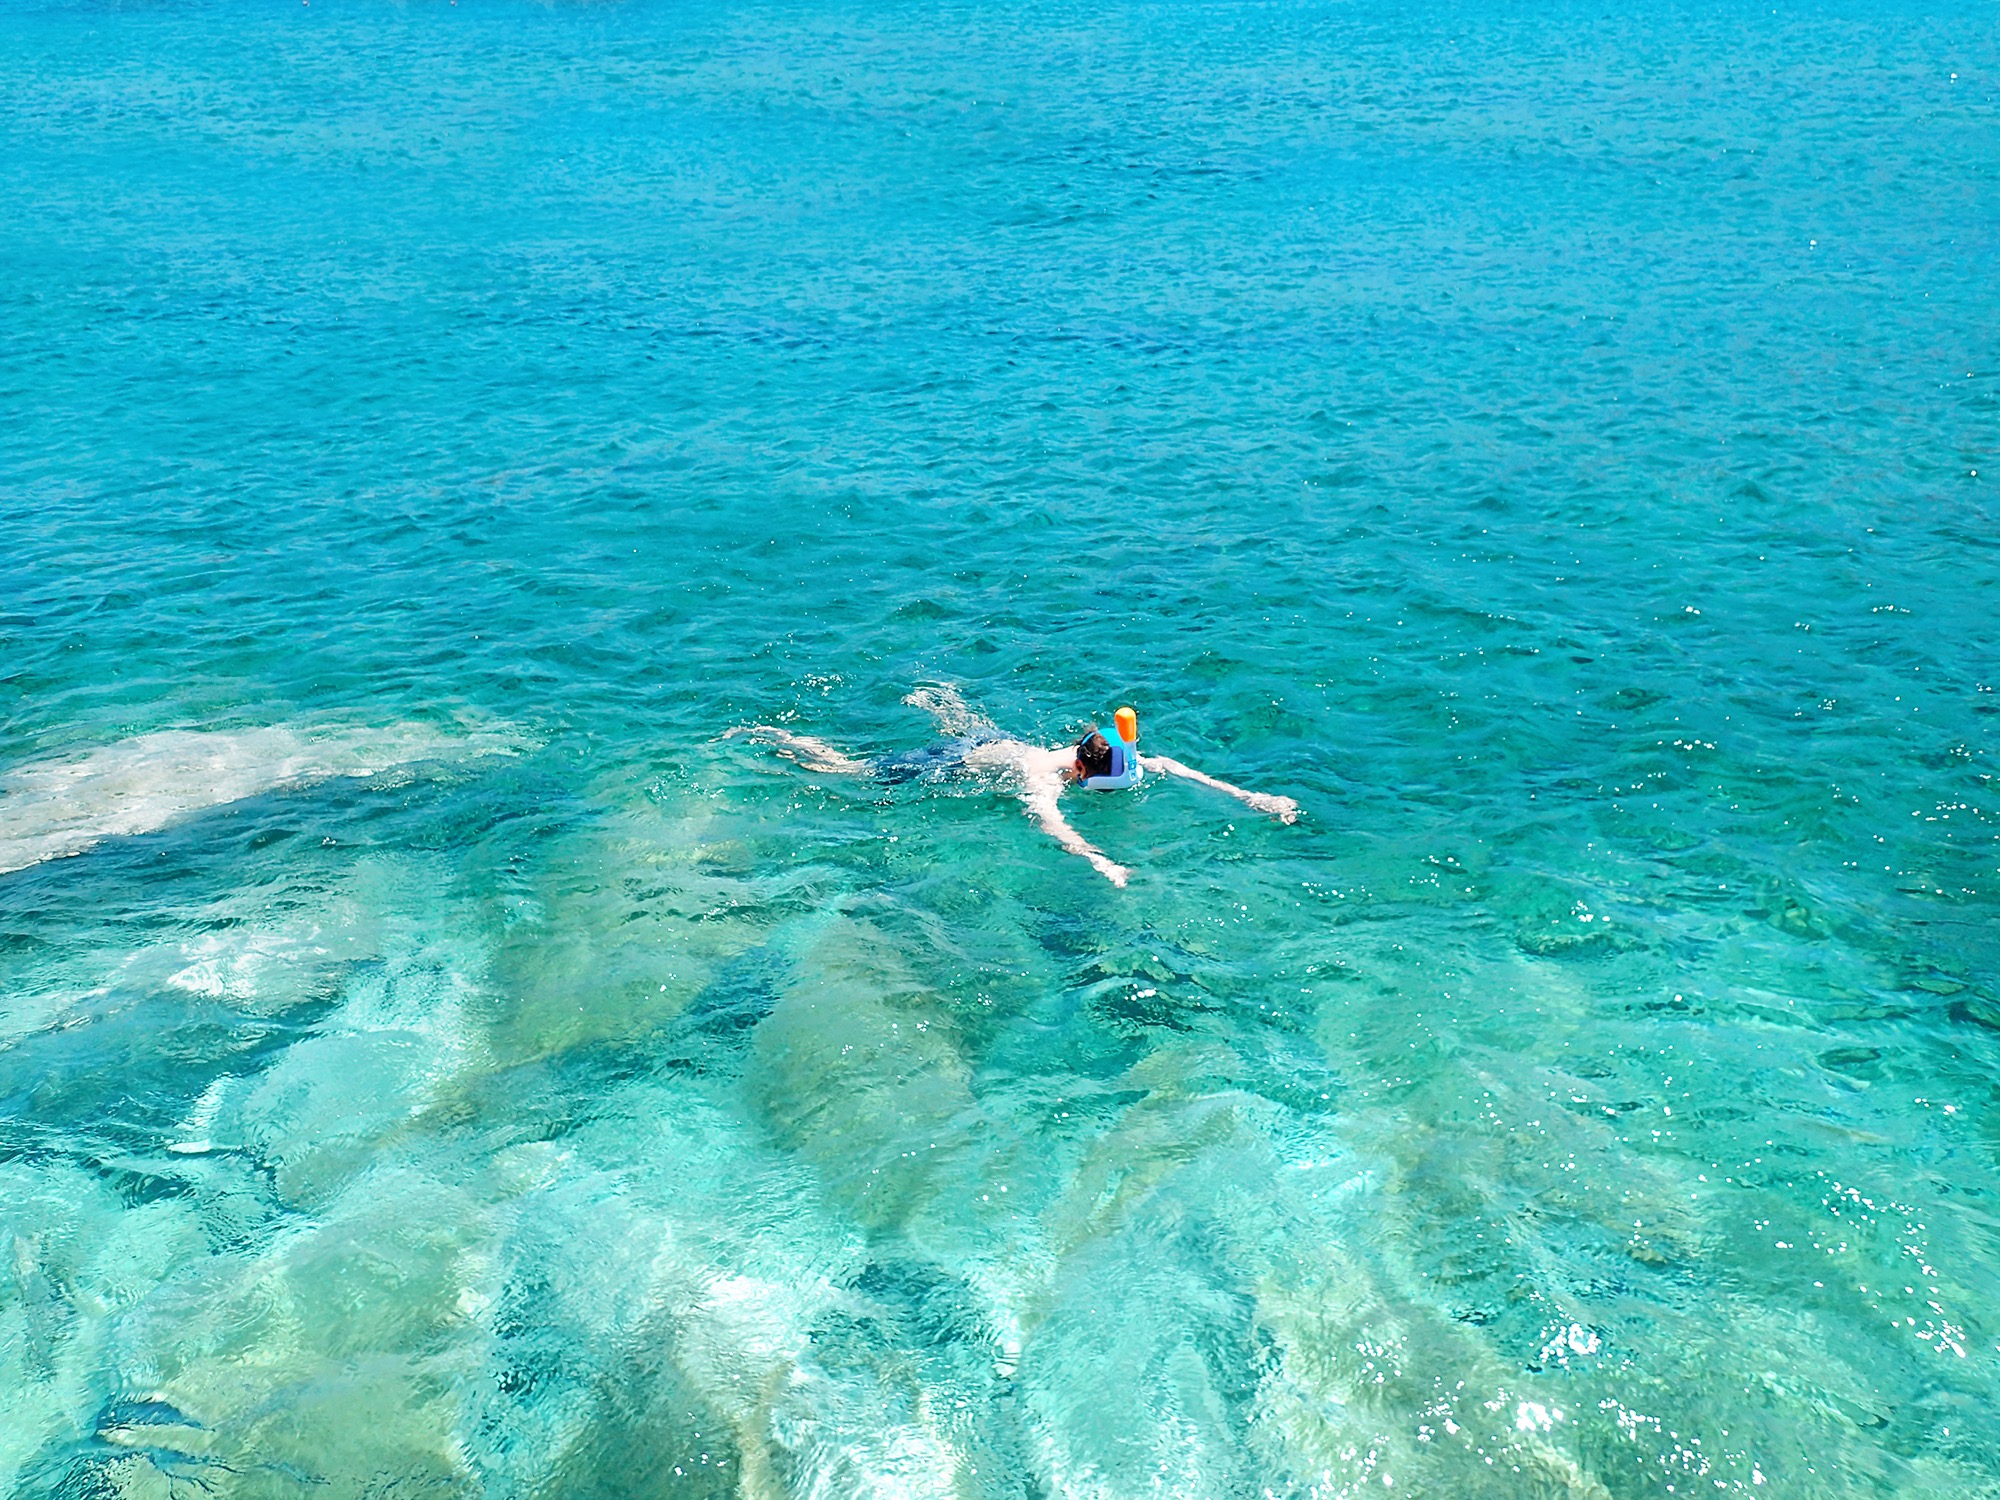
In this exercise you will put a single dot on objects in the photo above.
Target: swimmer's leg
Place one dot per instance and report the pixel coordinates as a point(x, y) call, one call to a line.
point(953, 715)
point(814, 755)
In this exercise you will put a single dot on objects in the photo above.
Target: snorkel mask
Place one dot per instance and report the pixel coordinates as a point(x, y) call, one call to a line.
point(1125, 767)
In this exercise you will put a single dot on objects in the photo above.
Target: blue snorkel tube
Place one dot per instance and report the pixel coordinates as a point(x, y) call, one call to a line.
point(1125, 768)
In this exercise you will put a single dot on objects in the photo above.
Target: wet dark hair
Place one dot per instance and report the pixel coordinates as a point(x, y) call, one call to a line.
point(1094, 751)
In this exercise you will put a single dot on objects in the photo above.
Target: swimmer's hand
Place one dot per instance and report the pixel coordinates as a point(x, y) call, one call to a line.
point(1116, 874)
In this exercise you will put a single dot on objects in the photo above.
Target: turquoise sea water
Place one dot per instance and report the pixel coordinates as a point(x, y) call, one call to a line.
point(1556, 445)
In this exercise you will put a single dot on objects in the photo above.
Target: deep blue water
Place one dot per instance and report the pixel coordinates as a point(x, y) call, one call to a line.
point(1556, 445)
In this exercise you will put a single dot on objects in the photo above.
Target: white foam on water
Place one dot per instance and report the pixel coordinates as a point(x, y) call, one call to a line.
point(55, 808)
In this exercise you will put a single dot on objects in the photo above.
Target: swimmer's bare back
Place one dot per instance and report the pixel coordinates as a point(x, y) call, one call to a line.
point(1039, 776)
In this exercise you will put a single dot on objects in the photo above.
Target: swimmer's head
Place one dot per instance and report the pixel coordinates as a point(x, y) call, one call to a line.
point(1093, 755)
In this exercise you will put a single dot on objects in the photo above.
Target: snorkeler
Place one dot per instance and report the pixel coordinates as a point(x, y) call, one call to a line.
point(1039, 774)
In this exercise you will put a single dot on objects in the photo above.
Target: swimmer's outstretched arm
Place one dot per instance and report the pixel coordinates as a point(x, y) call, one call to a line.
point(1040, 795)
point(814, 755)
point(1284, 809)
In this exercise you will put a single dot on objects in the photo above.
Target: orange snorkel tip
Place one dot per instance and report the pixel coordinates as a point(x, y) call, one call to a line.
point(1128, 725)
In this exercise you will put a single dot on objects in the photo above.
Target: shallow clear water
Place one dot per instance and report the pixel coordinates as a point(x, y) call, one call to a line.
point(1556, 445)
